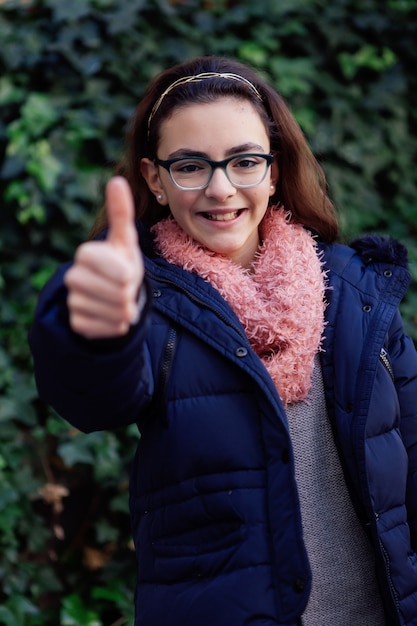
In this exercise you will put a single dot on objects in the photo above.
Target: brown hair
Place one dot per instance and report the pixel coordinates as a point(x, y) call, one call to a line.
point(302, 185)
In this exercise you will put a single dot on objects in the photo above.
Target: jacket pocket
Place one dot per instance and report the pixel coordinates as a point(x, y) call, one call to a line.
point(200, 540)
point(217, 526)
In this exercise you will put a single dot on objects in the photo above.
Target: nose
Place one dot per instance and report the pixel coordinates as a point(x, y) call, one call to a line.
point(220, 186)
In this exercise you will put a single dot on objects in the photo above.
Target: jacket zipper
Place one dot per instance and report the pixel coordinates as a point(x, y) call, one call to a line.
point(389, 578)
point(172, 341)
point(165, 371)
point(168, 359)
point(383, 357)
point(157, 406)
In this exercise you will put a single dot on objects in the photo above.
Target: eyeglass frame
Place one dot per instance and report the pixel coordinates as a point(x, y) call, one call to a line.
point(166, 164)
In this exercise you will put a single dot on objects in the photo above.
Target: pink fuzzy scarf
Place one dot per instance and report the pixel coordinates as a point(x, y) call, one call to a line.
point(280, 304)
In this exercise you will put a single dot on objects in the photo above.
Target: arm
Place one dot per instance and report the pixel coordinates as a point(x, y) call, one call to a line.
point(93, 384)
point(403, 358)
point(90, 356)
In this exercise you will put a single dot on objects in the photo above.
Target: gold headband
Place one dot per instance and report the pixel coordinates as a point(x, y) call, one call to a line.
point(198, 77)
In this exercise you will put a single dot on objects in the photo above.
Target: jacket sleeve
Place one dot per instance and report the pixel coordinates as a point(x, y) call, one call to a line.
point(94, 385)
point(403, 357)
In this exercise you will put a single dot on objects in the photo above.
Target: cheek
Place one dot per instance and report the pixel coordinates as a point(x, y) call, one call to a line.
point(180, 202)
point(261, 197)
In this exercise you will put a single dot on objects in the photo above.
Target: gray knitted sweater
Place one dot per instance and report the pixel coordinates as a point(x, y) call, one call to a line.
point(344, 590)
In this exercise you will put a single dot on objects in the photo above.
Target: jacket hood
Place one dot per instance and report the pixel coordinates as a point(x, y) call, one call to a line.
point(378, 249)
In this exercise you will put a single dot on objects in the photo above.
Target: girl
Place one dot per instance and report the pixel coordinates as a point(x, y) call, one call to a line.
point(265, 366)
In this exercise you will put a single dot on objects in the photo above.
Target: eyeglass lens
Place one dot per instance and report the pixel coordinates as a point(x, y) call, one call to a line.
point(243, 170)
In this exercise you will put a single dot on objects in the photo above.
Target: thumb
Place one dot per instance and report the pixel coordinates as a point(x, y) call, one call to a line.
point(121, 215)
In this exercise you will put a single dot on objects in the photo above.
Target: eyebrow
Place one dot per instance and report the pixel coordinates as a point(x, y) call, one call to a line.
point(246, 147)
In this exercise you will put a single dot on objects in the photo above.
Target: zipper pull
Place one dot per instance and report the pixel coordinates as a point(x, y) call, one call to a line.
point(383, 357)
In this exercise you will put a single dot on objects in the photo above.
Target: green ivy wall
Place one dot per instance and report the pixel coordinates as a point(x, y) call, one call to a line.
point(70, 76)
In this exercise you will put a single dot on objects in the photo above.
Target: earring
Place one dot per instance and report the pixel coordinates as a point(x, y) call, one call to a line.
point(159, 196)
point(272, 187)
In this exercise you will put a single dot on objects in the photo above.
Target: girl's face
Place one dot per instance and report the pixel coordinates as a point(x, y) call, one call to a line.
point(221, 217)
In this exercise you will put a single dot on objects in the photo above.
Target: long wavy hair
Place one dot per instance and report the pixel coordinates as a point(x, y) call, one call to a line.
point(301, 188)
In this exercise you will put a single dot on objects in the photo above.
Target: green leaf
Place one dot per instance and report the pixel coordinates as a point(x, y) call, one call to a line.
point(21, 608)
point(74, 613)
point(113, 593)
point(38, 114)
point(41, 277)
point(75, 451)
point(8, 408)
point(367, 56)
point(404, 6)
point(9, 92)
point(43, 165)
point(70, 11)
point(7, 618)
point(32, 212)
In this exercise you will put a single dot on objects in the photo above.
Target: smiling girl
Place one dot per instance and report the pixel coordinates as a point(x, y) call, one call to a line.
point(265, 366)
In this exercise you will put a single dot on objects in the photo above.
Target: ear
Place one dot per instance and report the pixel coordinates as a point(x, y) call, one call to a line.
point(274, 177)
point(150, 173)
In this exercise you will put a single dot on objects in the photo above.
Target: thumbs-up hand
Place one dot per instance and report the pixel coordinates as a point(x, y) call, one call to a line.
point(106, 277)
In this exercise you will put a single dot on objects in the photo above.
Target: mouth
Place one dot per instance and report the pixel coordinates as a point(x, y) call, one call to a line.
point(222, 217)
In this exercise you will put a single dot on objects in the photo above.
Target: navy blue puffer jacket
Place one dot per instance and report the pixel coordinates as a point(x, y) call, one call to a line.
point(214, 504)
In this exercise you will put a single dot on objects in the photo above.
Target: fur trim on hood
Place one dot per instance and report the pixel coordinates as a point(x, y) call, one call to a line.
point(378, 249)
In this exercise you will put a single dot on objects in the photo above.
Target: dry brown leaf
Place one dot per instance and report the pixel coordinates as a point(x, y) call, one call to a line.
point(95, 558)
point(52, 494)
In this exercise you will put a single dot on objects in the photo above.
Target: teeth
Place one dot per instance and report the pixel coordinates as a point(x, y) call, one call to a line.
point(222, 217)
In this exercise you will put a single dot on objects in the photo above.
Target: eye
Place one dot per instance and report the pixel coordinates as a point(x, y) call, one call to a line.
point(246, 162)
point(187, 167)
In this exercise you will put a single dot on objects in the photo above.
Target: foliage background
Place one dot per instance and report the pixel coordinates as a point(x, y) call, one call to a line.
point(70, 75)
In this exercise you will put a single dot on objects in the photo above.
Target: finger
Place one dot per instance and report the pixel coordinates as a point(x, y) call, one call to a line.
point(97, 328)
point(102, 276)
point(121, 301)
point(121, 215)
point(82, 304)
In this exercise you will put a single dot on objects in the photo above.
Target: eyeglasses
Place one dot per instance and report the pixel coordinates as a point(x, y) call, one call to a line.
point(194, 173)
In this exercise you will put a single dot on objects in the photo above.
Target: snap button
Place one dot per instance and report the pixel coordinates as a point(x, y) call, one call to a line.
point(298, 585)
point(366, 308)
point(387, 273)
point(156, 293)
point(241, 351)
